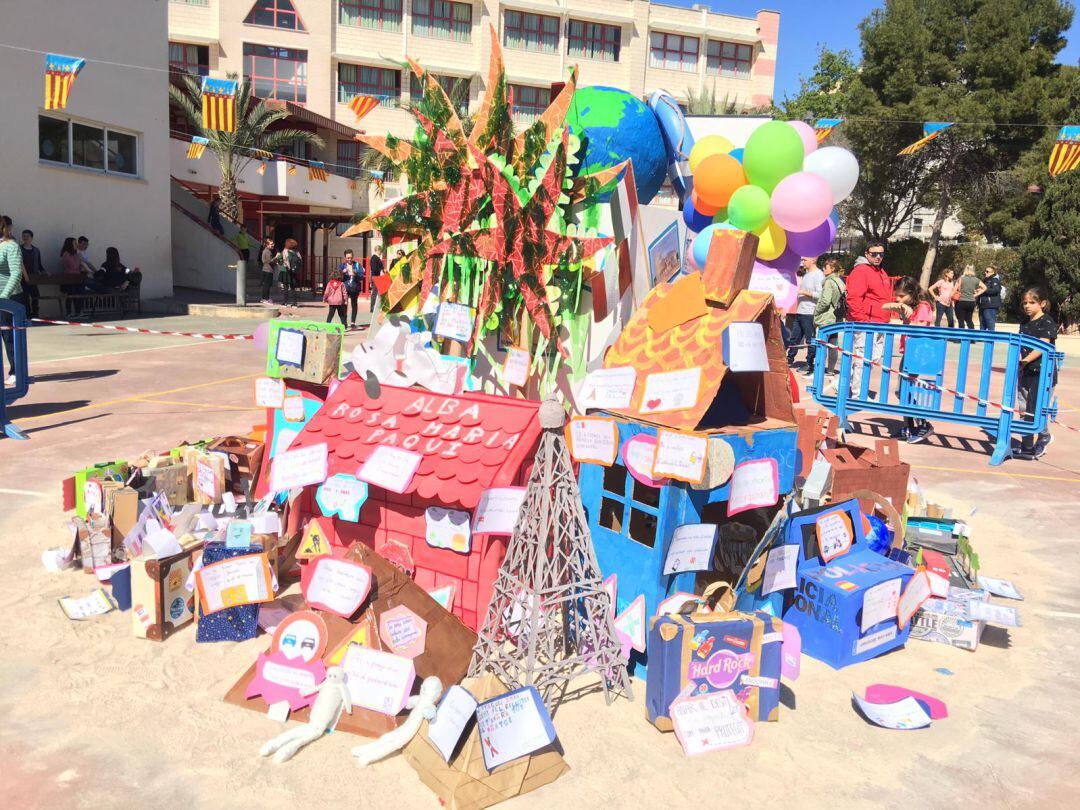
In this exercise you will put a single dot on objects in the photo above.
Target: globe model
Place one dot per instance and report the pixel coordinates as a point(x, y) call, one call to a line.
point(613, 125)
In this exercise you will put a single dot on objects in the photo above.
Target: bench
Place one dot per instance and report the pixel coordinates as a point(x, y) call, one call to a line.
point(51, 288)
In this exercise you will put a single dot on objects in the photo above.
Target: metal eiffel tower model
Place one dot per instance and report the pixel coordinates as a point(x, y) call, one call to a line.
point(550, 618)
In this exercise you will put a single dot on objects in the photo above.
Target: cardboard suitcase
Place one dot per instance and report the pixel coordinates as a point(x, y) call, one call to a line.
point(160, 601)
point(245, 460)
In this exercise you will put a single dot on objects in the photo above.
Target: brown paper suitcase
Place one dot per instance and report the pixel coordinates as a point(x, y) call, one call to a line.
point(160, 601)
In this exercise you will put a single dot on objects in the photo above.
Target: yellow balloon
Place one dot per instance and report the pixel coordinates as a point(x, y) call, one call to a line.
point(707, 146)
point(772, 241)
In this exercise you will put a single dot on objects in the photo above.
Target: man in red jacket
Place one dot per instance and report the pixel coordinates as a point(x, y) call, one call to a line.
point(869, 288)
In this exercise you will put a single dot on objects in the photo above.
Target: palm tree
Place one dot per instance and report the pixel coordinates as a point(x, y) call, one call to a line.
point(706, 102)
point(235, 150)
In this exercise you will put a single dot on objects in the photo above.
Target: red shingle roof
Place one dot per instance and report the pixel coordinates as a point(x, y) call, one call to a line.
point(470, 442)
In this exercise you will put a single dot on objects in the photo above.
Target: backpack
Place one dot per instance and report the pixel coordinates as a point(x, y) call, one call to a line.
point(841, 305)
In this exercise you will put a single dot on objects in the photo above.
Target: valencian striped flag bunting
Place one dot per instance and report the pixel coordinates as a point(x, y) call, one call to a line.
point(264, 156)
point(1066, 153)
point(362, 105)
point(60, 73)
point(198, 146)
point(930, 130)
point(219, 104)
point(292, 168)
point(316, 170)
point(824, 127)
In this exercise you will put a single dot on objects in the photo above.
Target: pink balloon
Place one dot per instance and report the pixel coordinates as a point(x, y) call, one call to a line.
point(261, 335)
point(806, 132)
point(813, 242)
point(801, 202)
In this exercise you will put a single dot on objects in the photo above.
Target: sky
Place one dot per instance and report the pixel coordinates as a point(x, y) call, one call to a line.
point(806, 23)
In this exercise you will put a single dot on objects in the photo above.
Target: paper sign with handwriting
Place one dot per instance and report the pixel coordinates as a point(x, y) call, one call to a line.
point(609, 388)
point(879, 603)
point(753, 484)
point(744, 347)
point(269, 393)
point(336, 585)
point(512, 726)
point(403, 632)
point(238, 534)
point(378, 680)
point(999, 587)
point(711, 722)
point(680, 456)
point(516, 367)
point(903, 715)
point(691, 548)
point(205, 480)
point(451, 719)
point(342, 495)
point(1001, 615)
point(448, 528)
point(916, 592)
point(780, 567)
point(390, 468)
point(639, 455)
point(454, 321)
point(298, 468)
point(96, 603)
point(593, 439)
point(290, 348)
point(292, 408)
point(497, 512)
point(835, 535)
point(671, 391)
point(236, 581)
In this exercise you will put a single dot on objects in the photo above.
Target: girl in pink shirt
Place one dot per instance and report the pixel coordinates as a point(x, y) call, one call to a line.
point(944, 291)
point(912, 305)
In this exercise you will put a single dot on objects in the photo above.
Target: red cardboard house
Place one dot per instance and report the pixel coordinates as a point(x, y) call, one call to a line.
point(470, 442)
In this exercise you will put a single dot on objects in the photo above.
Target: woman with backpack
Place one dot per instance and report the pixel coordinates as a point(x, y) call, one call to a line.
point(831, 306)
point(291, 266)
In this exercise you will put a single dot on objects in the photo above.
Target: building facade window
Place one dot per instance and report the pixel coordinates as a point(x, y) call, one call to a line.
point(193, 59)
point(587, 40)
point(348, 158)
point(450, 84)
point(529, 102)
point(383, 15)
point(442, 19)
point(673, 51)
point(87, 146)
point(628, 507)
point(729, 59)
point(362, 80)
point(275, 14)
point(534, 32)
point(278, 73)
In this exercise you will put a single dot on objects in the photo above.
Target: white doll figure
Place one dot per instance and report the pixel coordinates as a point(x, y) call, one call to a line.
point(423, 708)
point(325, 713)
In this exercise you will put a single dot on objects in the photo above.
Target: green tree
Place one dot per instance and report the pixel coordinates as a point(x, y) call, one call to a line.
point(255, 129)
point(824, 93)
point(1051, 254)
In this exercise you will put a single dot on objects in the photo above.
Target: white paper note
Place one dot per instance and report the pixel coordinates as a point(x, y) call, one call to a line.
point(835, 535)
point(292, 408)
point(691, 548)
point(298, 468)
point(594, 440)
point(454, 321)
point(744, 347)
point(609, 388)
point(902, 715)
point(711, 722)
point(390, 468)
point(999, 587)
point(671, 391)
point(993, 614)
point(780, 569)
point(513, 725)
point(516, 367)
point(455, 711)
point(917, 592)
point(680, 455)
point(377, 680)
point(290, 347)
point(753, 484)
point(498, 510)
point(880, 602)
point(95, 603)
point(337, 586)
point(269, 393)
point(448, 528)
point(234, 581)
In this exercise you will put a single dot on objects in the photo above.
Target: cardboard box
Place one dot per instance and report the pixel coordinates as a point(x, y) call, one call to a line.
point(828, 600)
point(116, 470)
point(160, 601)
point(944, 620)
point(879, 470)
point(464, 783)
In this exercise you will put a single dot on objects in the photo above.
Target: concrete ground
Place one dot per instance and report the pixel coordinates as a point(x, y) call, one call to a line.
point(91, 716)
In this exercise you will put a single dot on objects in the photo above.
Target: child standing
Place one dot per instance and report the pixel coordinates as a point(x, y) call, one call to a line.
point(336, 297)
point(1036, 305)
point(913, 306)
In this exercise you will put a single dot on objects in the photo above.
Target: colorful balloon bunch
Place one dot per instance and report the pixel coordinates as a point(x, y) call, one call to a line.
point(781, 187)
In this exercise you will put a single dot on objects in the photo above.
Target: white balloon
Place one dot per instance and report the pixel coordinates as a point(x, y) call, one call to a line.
point(839, 168)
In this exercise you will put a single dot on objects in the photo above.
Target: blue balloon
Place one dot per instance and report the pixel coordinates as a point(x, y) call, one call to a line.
point(737, 154)
point(694, 219)
point(834, 215)
point(880, 536)
point(699, 248)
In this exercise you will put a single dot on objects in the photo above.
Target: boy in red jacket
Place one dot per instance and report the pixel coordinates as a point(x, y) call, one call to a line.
point(869, 289)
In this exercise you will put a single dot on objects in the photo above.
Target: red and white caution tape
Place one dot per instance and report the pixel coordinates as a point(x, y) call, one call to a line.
point(137, 330)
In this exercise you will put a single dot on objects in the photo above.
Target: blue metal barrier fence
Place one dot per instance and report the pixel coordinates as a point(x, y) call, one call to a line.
point(16, 317)
point(901, 370)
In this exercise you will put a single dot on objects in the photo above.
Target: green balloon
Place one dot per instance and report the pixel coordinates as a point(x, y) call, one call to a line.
point(748, 208)
point(720, 216)
point(773, 151)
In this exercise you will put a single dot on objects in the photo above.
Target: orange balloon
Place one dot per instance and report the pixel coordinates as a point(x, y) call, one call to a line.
point(716, 179)
point(701, 206)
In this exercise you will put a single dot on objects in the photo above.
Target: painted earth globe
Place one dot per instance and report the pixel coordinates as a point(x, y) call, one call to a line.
point(614, 125)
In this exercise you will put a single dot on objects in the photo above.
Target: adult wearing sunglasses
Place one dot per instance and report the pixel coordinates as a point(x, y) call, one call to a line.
point(869, 288)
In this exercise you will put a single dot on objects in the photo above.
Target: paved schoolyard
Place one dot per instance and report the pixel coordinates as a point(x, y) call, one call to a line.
point(69, 739)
